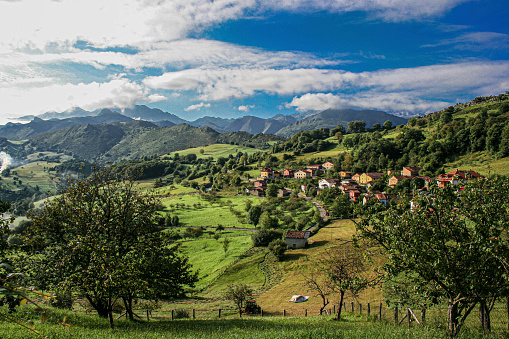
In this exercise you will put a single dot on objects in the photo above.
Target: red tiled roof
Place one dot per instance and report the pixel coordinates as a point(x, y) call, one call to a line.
point(297, 234)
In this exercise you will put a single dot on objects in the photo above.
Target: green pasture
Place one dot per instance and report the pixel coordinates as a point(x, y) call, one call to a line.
point(34, 174)
point(193, 210)
point(217, 150)
point(209, 258)
point(481, 162)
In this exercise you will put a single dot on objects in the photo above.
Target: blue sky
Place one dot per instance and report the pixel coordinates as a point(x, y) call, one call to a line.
point(230, 58)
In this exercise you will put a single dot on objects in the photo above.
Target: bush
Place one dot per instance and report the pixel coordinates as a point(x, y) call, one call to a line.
point(63, 300)
point(278, 248)
point(263, 237)
point(180, 314)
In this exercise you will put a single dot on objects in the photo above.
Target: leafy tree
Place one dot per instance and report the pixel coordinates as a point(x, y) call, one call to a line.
point(342, 207)
point(226, 244)
point(387, 125)
point(239, 294)
point(278, 247)
point(453, 244)
point(267, 221)
point(271, 190)
point(101, 239)
point(254, 215)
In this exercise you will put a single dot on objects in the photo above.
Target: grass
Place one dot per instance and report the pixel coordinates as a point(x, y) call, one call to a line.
point(217, 150)
point(481, 162)
point(193, 210)
point(208, 257)
point(88, 326)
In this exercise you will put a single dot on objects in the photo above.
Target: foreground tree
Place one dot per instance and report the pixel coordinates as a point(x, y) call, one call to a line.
point(101, 239)
point(451, 246)
point(239, 294)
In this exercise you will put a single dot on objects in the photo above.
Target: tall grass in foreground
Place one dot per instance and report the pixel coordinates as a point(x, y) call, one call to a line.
point(88, 326)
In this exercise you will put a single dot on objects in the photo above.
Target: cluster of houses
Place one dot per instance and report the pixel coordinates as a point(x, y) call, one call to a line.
point(354, 185)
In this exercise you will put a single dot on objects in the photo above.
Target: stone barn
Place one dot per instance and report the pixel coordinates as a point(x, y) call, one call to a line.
point(297, 239)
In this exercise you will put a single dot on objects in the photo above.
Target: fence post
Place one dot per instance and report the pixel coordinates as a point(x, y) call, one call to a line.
point(194, 313)
point(284, 313)
point(423, 316)
point(172, 314)
point(334, 309)
point(369, 309)
point(147, 316)
point(360, 308)
point(396, 314)
point(409, 316)
point(352, 307)
point(261, 313)
point(306, 313)
point(219, 313)
point(380, 312)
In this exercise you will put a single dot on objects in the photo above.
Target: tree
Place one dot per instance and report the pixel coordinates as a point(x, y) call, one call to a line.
point(254, 215)
point(271, 190)
point(239, 294)
point(453, 243)
point(226, 244)
point(101, 239)
point(387, 125)
point(264, 236)
point(278, 247)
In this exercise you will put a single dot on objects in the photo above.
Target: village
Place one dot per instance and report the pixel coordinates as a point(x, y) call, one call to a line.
point(359, 187)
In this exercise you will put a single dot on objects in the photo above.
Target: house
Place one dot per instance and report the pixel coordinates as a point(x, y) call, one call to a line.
point(328, 183)
point(267, 173)
point(288, 173)
point(315, 167)
point(345, 174)
point(283, 193)
point(456, 177)
point(257, 191)
point(300, 174)
point(328, 165)
point(395, 179)
point(260, 183)
point(297, 239)
point(356, 177)
point(354, 195)
point(370, 177)
point(410, 171)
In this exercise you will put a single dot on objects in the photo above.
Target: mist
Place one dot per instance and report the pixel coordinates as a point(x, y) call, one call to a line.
point(5, 160)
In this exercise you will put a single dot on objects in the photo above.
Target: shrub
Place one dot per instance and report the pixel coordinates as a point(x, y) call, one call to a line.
point(278, 248)
point(180, 314)
point(264, 236)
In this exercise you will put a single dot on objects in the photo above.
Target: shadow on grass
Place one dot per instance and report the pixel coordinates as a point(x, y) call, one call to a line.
point(318, 243)
point(289, 256)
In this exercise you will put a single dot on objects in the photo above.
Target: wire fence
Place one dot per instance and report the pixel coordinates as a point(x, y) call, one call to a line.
point(397, 314)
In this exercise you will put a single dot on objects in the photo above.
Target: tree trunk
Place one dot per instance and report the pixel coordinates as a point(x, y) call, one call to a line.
point(484, 315)
point(453, 317)
point(99, 305)
point(128, 304)
point(341, 296)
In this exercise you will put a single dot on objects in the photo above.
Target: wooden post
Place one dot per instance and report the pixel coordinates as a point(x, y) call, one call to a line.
point(334, 309)
point(423, 316)
point(147, 316)
point(360, 308)
point(240, 313)
point(284, 313)
point(369, 309)
point(408, 316)
point(219, 313)
point(380, 312)
point(306, 313)
point(353, 309)
point(194, 313)
point(261, 313)
point(396, 314)
point(172, 314)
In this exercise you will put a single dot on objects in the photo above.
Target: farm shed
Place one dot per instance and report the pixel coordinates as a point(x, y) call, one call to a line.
point(297, 239)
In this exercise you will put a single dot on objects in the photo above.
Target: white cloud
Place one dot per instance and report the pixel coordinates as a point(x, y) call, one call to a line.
point(390, 102)
point(245, 108)
point(197, 107)
point(438, 81)
point(476, 41)
point(38, 23)
point(120, 93)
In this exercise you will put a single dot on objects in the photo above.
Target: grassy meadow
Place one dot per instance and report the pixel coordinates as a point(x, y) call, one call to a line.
point(216, 150)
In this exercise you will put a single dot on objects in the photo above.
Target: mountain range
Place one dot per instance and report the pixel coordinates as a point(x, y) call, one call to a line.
point(282, 125)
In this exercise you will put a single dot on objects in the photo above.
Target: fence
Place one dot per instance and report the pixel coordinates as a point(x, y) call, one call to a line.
point(398, 314)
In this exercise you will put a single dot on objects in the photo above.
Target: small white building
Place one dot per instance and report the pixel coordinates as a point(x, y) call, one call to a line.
point(297, 239)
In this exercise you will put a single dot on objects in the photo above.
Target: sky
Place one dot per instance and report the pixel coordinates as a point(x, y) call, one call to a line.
point(230, 58)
